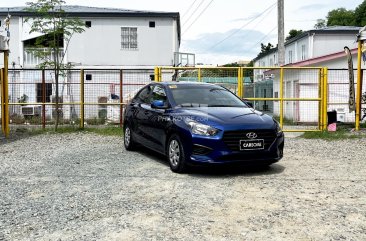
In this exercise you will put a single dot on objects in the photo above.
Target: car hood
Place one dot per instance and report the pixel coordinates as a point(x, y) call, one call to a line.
point(228, 116)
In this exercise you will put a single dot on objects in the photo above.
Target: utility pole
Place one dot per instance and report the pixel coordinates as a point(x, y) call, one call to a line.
point(281, 33)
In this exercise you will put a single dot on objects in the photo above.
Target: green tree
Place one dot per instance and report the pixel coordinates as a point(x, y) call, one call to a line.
point(266, 48)
point(293, 33)
point(341, 17)
point(50, 20)
point(360, 14)
point(320, 23)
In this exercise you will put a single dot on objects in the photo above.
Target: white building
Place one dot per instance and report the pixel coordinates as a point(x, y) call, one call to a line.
point(314, 48)
point(113, 39)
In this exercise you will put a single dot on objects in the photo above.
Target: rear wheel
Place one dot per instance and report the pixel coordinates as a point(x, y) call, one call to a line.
point(176, 155)
point(128, 140)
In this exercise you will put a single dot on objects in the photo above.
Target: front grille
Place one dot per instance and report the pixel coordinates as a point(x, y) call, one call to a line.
point(232, 138)
point(200, 150)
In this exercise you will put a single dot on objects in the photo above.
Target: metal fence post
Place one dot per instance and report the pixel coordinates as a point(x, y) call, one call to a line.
point(240, 83)
point(159, 75)
point(320, 103)
point(359, 88)
point(281, 97)
point(325, 101)
point(81, 98)
point(6, 95)
point(2, 101)
point(121, 98)
point(43, 99)
point(156, 74)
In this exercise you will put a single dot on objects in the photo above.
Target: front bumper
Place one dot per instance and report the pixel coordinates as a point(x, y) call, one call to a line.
point(217, 152)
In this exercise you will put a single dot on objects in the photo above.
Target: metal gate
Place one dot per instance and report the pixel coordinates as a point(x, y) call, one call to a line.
point(296, 97)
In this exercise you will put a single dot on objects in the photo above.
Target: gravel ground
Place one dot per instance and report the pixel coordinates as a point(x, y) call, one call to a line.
point(87, 187)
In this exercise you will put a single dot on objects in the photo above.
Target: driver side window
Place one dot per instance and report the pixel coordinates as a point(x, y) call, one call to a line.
point(144, 95)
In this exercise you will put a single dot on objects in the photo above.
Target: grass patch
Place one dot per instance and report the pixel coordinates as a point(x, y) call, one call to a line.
point(105, 131)
point(342, 132)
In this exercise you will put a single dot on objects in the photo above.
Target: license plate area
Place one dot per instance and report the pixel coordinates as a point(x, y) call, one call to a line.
point(247, 145)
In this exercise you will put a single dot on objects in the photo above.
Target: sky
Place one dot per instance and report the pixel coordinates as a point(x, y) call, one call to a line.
point(226, 31)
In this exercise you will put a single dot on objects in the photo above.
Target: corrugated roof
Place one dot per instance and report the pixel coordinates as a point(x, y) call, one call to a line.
point(86, 9)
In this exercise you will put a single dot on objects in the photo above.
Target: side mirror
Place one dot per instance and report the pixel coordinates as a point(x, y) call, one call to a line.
point(158, 104)
point(248, 103)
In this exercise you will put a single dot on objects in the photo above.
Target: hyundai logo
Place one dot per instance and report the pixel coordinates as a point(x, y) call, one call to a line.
point(251, 135)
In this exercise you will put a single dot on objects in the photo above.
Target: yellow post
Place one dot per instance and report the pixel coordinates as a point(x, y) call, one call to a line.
point(159, 74)
point(359, 86)
point(325, 100)
point(240, 88)
point(281, 97)
point(199, 75)
point(156, 74)
point(82, 99)
point(6, 94)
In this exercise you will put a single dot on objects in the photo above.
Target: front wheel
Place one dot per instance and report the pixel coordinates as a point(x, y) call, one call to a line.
point(176, 155)
point(128, 140)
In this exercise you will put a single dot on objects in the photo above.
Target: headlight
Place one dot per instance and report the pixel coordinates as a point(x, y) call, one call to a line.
point(278, 127)
point(201, 129)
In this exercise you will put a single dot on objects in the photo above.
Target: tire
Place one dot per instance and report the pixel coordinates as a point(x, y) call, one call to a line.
point(127, 139)
point(176, 155)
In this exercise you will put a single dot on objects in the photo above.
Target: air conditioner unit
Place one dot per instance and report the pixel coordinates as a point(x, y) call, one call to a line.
point(31, 110)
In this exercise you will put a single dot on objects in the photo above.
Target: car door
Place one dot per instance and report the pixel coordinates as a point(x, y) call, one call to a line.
point(155, 120)
point(138, 116)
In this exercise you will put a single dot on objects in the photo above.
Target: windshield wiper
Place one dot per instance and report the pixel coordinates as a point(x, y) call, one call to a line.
point(227, 106)
point(192, 105)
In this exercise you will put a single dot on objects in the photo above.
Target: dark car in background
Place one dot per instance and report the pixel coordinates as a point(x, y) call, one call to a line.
point(199, 123)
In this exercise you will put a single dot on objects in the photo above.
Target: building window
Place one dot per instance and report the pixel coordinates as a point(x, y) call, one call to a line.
point(152, 24)
point(88, 24)
point(128, 38)
point(303, 52)
point(271, 62)
point(48, 89)
point(274, 59)
point(88, 77)
point(290, 56)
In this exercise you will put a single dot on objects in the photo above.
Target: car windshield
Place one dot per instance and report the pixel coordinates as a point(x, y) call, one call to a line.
point(204, 96)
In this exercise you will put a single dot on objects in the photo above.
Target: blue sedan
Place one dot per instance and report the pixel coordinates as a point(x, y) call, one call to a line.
point(200, 123)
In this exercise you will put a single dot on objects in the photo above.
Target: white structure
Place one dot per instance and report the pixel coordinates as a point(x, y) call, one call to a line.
point(314, 48)
point(113, 39)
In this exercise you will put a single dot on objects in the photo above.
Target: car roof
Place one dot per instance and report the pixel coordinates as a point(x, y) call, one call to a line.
point(185, 83)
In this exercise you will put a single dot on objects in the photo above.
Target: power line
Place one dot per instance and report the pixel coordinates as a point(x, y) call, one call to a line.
point(194, 11)
point(246, 24)
point(263, 17)
point(198, 17)
point(254, 45)
point(189, 8)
